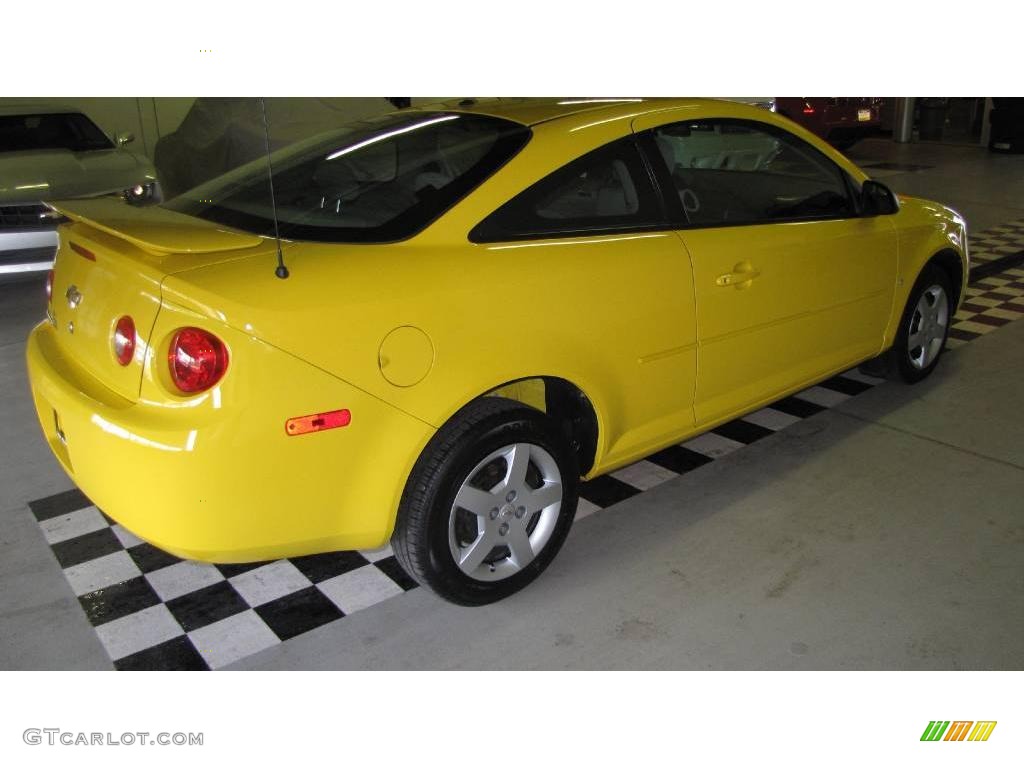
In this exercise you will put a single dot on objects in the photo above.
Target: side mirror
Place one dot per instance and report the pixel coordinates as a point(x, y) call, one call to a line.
point(876, 199)
point(125, 138)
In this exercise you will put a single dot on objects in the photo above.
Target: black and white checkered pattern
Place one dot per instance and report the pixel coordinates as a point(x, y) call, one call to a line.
point(155, 611)
point(152, 610)
point(997, 242)
point(671, 462)
point(990, 303)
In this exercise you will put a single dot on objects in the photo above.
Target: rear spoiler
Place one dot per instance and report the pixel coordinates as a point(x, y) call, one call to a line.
point(155, 229)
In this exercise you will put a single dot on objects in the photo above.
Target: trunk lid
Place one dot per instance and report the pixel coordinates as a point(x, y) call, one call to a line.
point(111, 261)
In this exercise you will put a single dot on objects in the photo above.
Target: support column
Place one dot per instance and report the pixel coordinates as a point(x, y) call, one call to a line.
point(903, 129)
point(986, 125)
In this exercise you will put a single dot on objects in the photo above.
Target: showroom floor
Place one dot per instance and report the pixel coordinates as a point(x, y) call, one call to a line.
point(855, 525)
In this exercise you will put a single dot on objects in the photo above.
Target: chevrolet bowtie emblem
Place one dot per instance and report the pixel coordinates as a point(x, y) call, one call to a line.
point(74, 296)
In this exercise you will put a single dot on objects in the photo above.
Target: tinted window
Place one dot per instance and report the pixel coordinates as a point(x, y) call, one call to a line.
point(68, 130)
point(608, 189)
point(734, 173)
point(374, 181)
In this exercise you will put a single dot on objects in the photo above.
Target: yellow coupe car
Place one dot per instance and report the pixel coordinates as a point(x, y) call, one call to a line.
point(429, 326)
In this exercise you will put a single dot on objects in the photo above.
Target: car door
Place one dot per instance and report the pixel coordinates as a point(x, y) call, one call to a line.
point(791, 283)
point(614, 282)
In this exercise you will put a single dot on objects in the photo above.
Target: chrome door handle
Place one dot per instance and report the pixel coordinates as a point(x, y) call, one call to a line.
point(738, 277)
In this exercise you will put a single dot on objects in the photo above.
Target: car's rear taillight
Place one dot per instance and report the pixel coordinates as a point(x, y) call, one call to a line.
point(49, 286)
point(124, 340)
point(197, 360)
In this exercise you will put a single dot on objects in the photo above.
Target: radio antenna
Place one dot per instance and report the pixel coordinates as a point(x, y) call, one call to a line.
point(282, 270)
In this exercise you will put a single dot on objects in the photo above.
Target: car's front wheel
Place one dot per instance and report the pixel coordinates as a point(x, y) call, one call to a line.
point(924, 326)
point(488, 504)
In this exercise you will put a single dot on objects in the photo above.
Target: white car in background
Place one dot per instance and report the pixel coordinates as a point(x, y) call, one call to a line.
point(56, 153)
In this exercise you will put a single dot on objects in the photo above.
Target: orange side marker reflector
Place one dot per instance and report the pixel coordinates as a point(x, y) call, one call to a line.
point(83, 251)
point(302, 425)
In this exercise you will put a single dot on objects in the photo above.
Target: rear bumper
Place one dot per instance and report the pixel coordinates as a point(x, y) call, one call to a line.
point(221, 481)
point(844, 122)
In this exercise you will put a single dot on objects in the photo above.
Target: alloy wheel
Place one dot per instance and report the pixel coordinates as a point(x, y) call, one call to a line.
point(505, 512)
point(928, 327)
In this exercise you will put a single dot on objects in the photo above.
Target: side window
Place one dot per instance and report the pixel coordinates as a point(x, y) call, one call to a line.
point(745, 173)
point(608, 189)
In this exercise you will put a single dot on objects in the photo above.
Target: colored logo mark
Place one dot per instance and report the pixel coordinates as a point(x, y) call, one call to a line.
point(958, 730)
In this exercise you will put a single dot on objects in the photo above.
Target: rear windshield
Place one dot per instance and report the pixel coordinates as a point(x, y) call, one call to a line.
point(65, 130)
point(374, 181)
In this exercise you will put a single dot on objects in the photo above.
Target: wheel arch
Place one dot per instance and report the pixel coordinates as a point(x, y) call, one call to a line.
point(950, 262)
point(565, 402)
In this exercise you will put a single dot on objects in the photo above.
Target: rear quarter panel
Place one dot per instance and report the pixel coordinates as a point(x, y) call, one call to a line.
point(247, 489)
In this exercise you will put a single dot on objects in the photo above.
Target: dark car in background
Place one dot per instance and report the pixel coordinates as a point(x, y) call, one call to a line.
point(841, 121)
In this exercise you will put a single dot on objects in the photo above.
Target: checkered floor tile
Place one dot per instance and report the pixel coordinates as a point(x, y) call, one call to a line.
point(990, 303)
point(152, 610)
point(997, 242)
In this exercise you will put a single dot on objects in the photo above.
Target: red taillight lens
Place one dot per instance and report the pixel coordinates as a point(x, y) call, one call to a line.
point(197, 360)
point(124, 340)
point(49, 286)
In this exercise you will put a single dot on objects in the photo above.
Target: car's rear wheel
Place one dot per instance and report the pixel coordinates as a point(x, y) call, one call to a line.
point(924, 327)
point(488, 504)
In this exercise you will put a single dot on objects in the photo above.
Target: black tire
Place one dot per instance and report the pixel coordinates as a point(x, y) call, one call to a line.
point(900, 363)
point(427, 509)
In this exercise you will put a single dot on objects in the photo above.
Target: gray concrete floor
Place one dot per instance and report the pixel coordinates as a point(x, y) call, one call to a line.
point(42, 625)
point(886, 533)
point(986, 188)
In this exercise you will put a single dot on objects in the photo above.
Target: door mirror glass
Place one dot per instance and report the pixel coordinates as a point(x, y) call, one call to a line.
point(877, 199)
